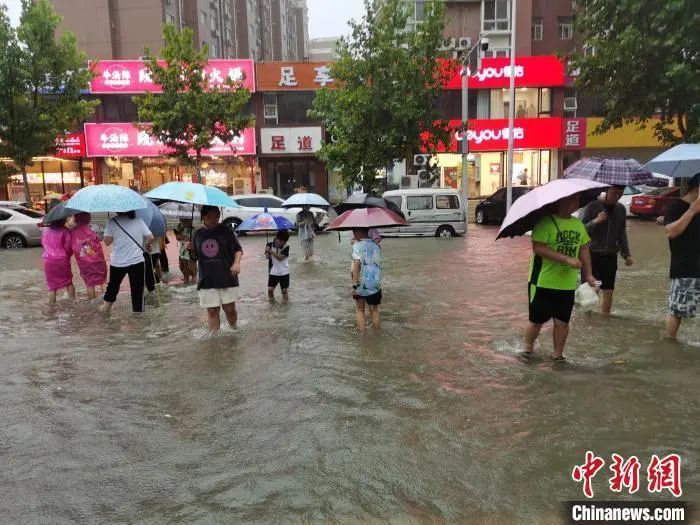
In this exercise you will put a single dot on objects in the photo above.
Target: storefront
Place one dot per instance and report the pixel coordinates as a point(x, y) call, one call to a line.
point(288, 161)
point(127, 155)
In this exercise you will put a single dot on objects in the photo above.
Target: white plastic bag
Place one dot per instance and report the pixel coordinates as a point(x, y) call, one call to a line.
point(586, 297)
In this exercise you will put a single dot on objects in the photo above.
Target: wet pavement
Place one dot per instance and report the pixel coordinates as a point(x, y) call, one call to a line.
point(294, 418)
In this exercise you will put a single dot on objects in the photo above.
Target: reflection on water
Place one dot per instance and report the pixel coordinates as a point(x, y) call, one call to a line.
point(294, 418)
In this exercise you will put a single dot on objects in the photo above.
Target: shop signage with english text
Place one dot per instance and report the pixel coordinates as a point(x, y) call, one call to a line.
point(123, 139)
point(281, 141)
point(536, 71)
point(133, 76)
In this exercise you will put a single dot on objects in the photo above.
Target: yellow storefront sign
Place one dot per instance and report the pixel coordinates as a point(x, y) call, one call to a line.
point(627, 136)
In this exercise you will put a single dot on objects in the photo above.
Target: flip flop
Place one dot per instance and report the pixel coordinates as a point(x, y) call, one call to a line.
point(560, 359)
point(526, 356)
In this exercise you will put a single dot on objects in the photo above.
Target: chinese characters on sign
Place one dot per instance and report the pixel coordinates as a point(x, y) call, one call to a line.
point(293, 76)
point(71, 145)
point(574, 133)
point(290, 140)
point(287, 77)
point(662, 474)
point(323, 75)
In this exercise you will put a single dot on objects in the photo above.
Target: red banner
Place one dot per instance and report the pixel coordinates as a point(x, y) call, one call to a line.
point(71, 146)
point(126, 140)
point(537, 71)
point(132, 76)
point(573, 133)
point(492, 134)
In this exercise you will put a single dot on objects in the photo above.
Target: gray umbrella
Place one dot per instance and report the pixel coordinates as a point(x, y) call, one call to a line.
point(59, 213)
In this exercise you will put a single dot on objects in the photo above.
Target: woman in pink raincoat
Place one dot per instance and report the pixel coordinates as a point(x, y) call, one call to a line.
point(87, 249)
point(56, 241)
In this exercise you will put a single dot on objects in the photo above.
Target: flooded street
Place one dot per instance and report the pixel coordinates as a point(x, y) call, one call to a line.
point(294, 418)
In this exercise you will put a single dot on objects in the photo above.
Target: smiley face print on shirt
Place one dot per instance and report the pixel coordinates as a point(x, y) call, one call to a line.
point(210, 248)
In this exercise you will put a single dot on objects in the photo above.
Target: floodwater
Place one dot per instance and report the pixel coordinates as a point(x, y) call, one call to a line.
point(294, 418)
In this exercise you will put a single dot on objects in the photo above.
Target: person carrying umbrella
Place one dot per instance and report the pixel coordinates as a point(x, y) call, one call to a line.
point(683, 232)
point(87, 249)
point(218, 253)
point(306, 231)
point(277, 253)
point(606, 223)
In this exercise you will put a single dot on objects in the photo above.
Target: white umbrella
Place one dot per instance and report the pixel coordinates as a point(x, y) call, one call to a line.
point(305, 199)
point(680, 161)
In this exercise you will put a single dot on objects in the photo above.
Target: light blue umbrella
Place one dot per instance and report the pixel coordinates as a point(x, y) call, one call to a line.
point(305, 199)
point(154, 219)
point(192, 193)
point(680, 161)
point(106, 198)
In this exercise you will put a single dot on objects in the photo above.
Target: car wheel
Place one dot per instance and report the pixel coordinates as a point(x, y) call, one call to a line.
point(480, 217)
point(14, 241)
point(233, 223)
point(445, 231)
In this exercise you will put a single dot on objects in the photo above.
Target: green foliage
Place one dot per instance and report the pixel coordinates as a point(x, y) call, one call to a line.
point(647, 59)
point(190, 113)
point(388, 80)
point(41, 77)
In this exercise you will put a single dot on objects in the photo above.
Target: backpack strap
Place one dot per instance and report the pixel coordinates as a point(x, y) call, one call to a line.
point(129, 236)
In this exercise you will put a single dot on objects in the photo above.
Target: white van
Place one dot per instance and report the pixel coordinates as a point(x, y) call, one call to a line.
point(429, 212)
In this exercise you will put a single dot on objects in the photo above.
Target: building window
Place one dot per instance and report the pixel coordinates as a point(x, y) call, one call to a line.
point(497, 15)
point(169, 19)
point(537, 28)
point(566, 28)
point(589, 51)
point(270, 108)
point(214, 50)
point(497, 53)
point(203, 18)
point(420, 10)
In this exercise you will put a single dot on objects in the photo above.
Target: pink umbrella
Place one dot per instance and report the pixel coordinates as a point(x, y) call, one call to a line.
point(535, 204)
point(366, 218)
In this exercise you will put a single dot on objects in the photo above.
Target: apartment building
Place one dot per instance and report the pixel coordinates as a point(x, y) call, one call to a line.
point(122, 29)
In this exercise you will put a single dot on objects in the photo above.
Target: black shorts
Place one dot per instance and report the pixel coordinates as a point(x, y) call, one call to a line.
point(546, 304)
point(372, 300)
point(282, 280)
point(604, 269)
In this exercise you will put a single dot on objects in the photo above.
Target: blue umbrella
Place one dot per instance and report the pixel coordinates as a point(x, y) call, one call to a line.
point(192, 193)
point(680, 161)
point(154, 219)
point(265, 222)
point(305, 199)
point(106, 198)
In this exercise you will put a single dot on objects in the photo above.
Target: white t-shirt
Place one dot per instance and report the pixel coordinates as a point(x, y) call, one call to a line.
point(126, 252)
point(278, 267)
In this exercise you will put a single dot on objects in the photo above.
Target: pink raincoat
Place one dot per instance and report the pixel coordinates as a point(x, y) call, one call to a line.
point(56, 241)
point(87, 248)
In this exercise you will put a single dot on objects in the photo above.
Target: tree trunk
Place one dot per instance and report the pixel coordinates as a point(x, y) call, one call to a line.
point(27, 196)
point(199, 166)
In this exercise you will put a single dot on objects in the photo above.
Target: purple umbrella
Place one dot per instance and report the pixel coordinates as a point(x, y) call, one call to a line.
point(615, 172)
point(535, 204)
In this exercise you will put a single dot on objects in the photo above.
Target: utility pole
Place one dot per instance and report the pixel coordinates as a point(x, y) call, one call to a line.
point(465, 140)
point(511, 110)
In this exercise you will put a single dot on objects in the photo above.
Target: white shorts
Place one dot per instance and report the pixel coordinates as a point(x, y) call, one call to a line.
point(215, 297)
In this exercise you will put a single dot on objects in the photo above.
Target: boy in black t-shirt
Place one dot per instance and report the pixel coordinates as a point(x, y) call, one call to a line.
point(683, 231)
point(218, 252)
point(277, 253)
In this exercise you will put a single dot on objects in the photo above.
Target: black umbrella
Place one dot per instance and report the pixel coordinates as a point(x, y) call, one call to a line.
point(366, 200)
point(59, 213)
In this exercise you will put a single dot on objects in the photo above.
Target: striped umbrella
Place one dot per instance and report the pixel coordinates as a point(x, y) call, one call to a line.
point(616, 172)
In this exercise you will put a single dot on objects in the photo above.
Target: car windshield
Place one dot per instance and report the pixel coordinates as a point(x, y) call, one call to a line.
point(659, 191)
point(29, 213)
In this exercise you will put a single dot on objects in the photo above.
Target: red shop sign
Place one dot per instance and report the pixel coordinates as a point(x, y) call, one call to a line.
point(123, 139)
point(573, 133)
point(537, 71)
point(492, 134)
point(71, 146)
point(132, 76)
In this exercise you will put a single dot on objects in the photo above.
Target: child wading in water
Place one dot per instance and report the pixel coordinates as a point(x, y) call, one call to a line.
point(560, 250)
point(87, 249)
point(366, 277)
point(56, 241)
point(188, 267)
point(277, 253)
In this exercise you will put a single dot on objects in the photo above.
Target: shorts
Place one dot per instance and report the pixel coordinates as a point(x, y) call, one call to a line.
point(683, 296)
point(215, 297)
point(373, 300)
point(282, 280)
point(546, 303)
point(605, 269)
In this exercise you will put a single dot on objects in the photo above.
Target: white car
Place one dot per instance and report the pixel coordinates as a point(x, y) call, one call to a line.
point(256, 203)
point(19, 227)
point(625, 200)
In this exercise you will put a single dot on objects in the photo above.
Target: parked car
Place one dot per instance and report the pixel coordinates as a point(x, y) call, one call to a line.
point(492, 210)
point(429, 212)
point(14, 204)
point(256, 203)
point(19, 227)
point(653, 204)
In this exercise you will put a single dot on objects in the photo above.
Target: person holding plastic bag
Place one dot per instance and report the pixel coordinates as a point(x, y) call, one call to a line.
point(560, 251)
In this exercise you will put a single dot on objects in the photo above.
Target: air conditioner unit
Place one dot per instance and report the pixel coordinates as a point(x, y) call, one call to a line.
point(409, 181)
point(448, 44)
point(423, 175)
point(464, 43)
point(420, 160)
point(570, 104)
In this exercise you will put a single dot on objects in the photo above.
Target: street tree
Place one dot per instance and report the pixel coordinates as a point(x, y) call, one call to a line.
point(191, 113)
point(643, 58)
point(387, 78)
point(41, 79)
